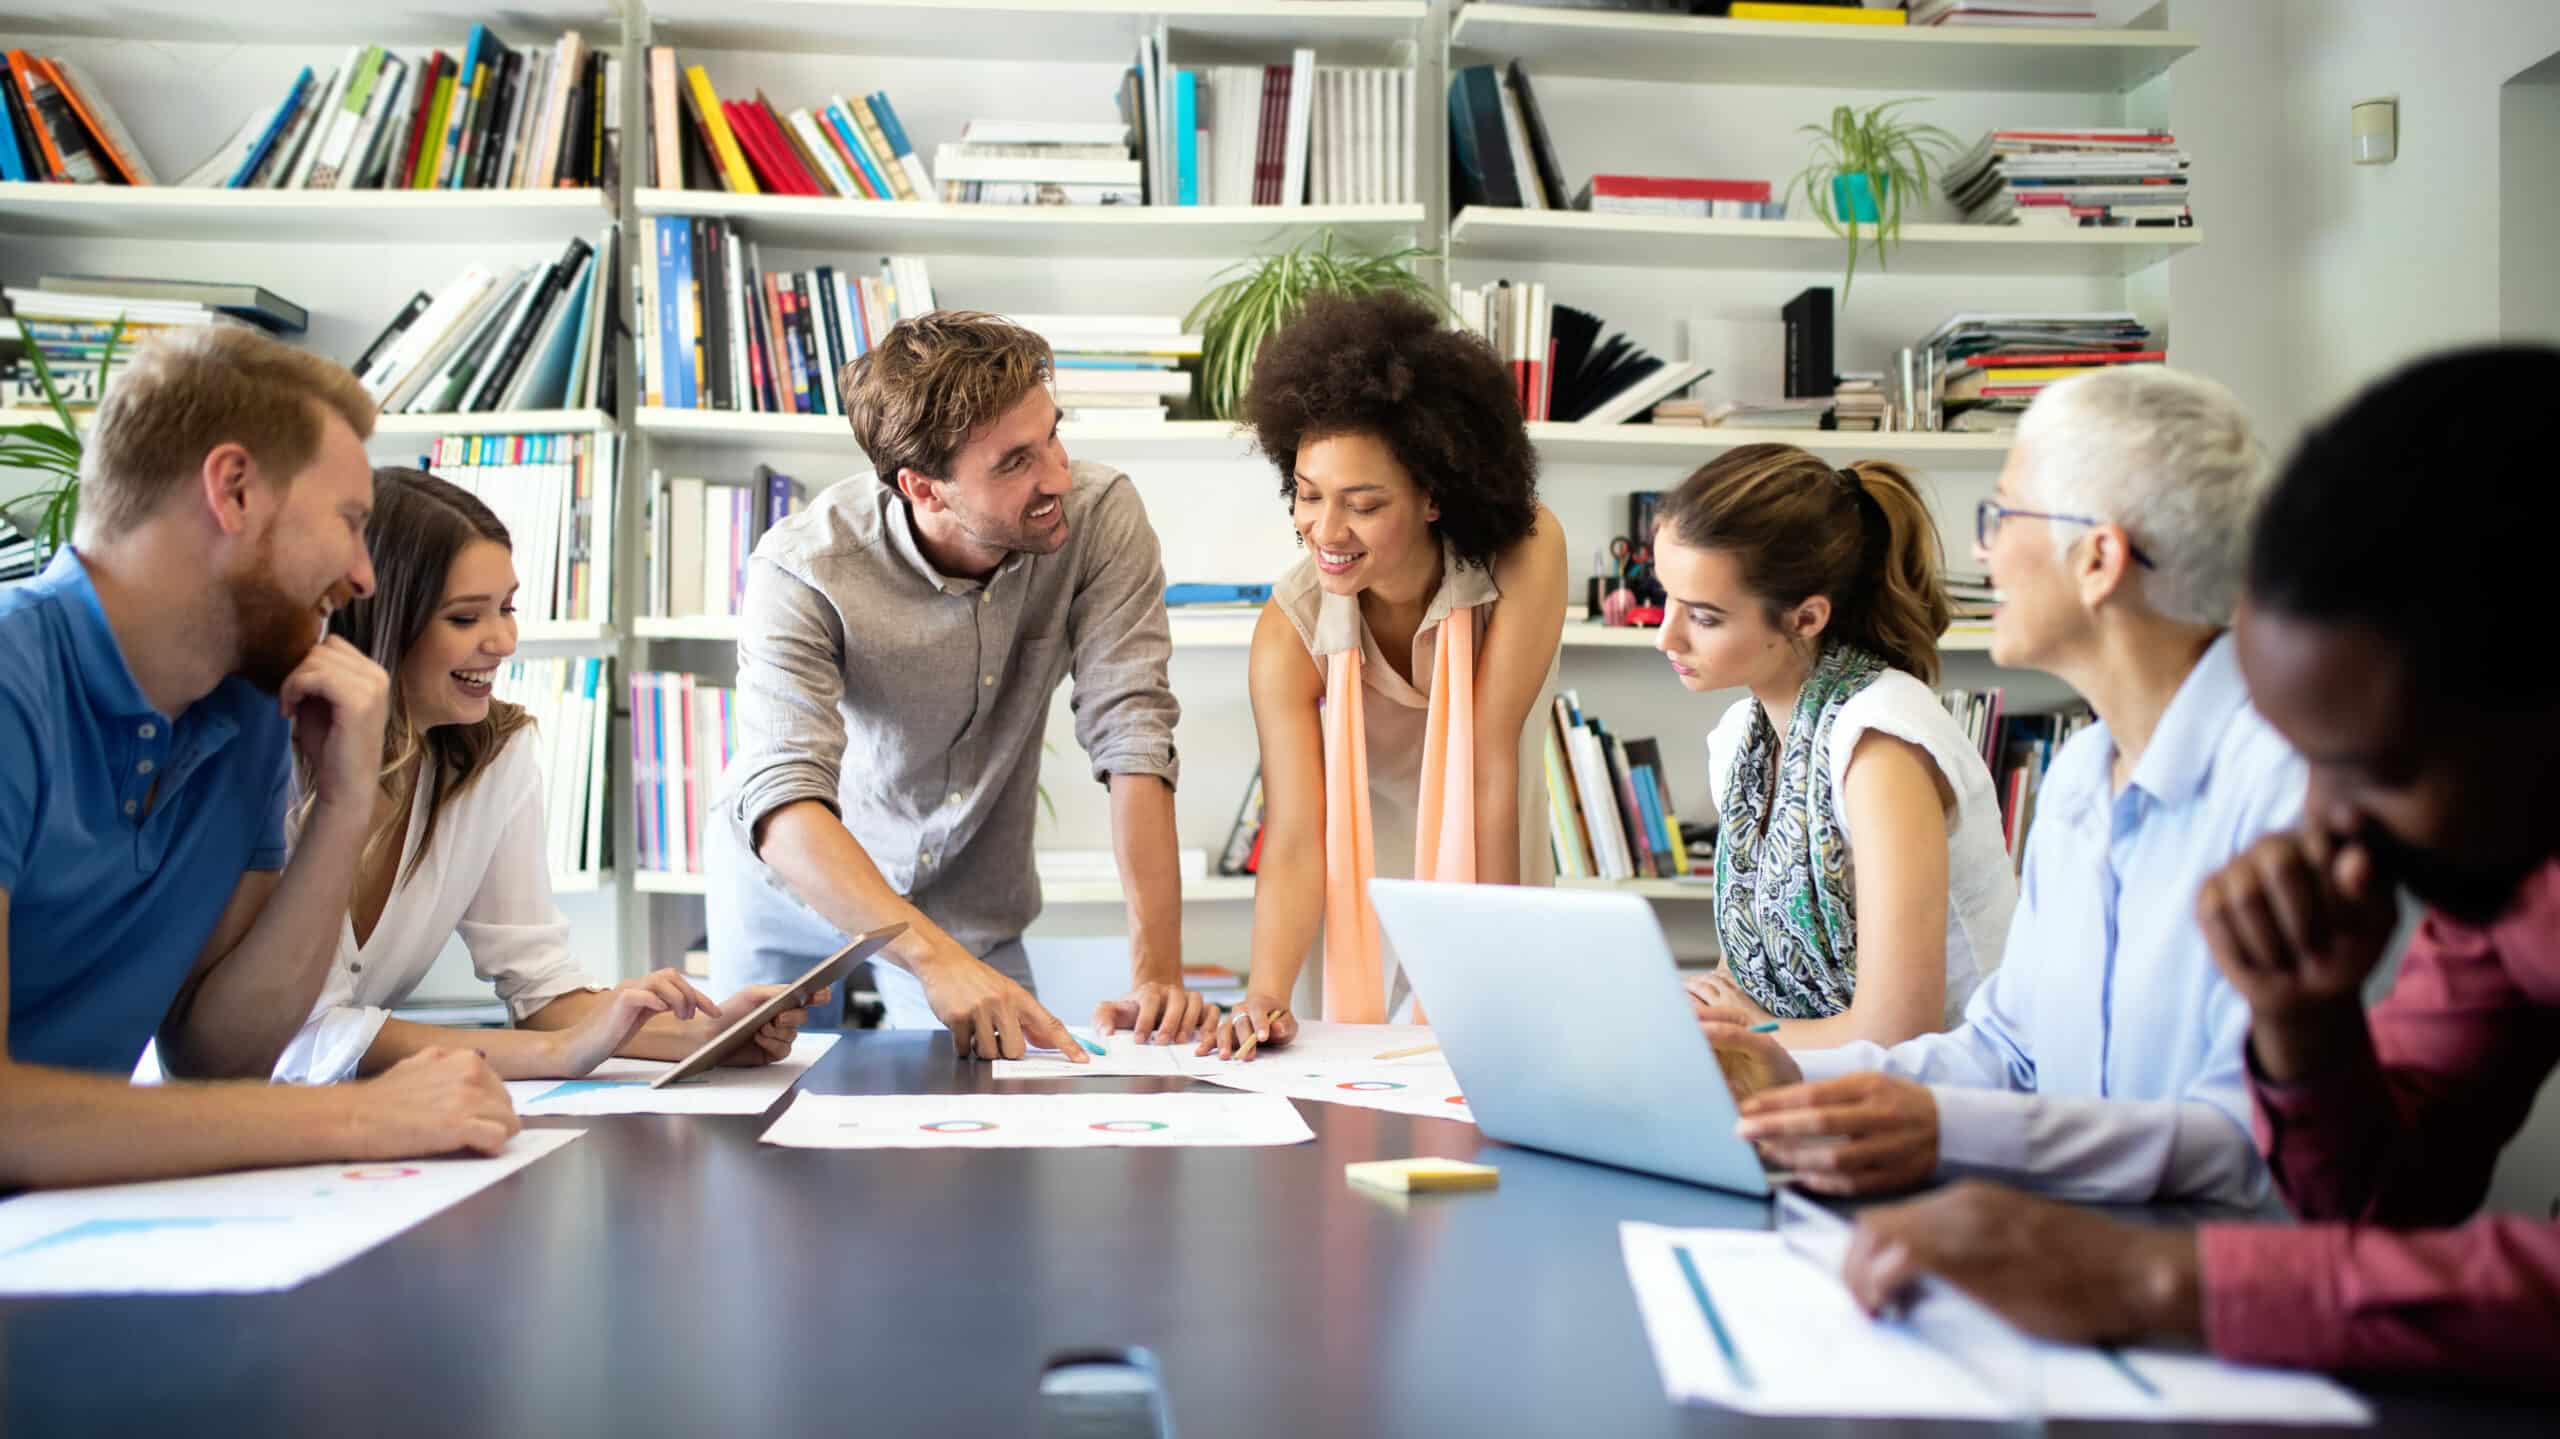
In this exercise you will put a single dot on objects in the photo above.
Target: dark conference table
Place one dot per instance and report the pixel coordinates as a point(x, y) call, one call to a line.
point(670, 1275)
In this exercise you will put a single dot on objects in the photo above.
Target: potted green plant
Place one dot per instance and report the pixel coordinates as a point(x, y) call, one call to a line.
point(51, 448)
point(1266, 292)
point(1866, 166)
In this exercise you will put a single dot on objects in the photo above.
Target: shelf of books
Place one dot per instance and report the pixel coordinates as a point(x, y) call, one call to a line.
point(1166, 439)
point(1065, 31)
point(1035, 231)
point(1676, 444)
point(1906, 58)
point(1582, 237)
point(571, 701)
point(174, 213)
point(495, 422)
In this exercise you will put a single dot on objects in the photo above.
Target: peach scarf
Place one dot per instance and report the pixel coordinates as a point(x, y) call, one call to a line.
point(1444, 831)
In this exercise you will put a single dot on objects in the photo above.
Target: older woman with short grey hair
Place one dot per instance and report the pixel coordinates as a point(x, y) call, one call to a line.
point(2102, 1061)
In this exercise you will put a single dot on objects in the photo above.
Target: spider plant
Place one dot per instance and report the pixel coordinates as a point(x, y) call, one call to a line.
point(1266, 292)
point(1879, 153)
point(52, 448)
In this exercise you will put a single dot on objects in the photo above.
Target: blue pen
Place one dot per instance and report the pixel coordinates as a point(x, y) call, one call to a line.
point(1090, 1045)
point(1769, 1028)
point(2125, 1367)
point(1715, 1323)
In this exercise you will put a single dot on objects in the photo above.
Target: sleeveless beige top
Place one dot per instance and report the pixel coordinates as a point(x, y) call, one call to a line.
point(1396, 712)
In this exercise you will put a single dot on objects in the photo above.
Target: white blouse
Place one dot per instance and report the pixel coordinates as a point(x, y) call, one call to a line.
point(487, 876)
point(1982, 884)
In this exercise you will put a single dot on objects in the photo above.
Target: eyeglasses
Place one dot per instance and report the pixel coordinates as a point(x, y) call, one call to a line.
point(1988, 515)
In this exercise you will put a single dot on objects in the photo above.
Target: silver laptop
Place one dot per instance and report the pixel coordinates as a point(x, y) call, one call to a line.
point(1562, 1014)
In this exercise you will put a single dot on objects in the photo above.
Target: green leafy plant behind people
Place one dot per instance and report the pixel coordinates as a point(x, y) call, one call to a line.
point(1886, 154)
point(51, 448)
point(1256, 297)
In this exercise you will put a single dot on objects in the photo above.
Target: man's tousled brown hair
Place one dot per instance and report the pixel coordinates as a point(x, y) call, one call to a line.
point(919, 394)
point(185, 392)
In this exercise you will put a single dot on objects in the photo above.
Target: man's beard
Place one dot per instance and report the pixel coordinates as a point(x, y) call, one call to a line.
point(277, 631)
point(2470, 894)
point(1020, 536)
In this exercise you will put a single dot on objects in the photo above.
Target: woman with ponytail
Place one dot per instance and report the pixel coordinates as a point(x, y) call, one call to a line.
point(1862, 882)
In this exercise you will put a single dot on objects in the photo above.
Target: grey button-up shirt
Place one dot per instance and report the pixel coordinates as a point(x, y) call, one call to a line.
point(912, 703)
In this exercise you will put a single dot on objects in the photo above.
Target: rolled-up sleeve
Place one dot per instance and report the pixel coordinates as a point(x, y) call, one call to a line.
point(1122, 644)
point(334, 1040)
point(791, 736)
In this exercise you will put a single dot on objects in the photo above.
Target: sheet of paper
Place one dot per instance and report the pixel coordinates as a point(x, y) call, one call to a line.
point(1801, 1346)
point(1122, 1057)
point(621, 1086)
point(1339, 1064)
point(1036, 1121)
point(245, 1233)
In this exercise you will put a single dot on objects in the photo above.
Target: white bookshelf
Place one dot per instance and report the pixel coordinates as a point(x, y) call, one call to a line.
point(364, 251)
point(1691, 50)
point(1064, 31)
point(497, 422)
point(760, 433)
point(1032, 231)
point(1579, 237)
point(403, 217)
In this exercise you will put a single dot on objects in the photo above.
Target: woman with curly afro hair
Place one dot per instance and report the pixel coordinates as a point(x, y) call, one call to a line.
point(1396, 670)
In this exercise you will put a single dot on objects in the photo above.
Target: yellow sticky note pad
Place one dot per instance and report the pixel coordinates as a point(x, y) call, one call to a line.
point(1423, 1175)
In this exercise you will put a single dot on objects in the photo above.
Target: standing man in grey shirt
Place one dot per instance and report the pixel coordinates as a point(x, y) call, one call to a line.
point(897, 651)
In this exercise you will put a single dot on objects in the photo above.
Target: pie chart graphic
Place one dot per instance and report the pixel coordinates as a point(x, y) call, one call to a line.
point(381, 1172)
point(1369, 1086)
point(1132, 1126)
point(956, 1126)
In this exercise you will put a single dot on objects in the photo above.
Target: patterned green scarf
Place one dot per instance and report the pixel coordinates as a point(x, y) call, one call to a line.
point(1784, 910)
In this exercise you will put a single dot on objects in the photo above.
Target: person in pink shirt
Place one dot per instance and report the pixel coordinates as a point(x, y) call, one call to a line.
point(2388, 634)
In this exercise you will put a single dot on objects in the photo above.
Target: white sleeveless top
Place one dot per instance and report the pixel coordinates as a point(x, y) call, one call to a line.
point(1982, 884)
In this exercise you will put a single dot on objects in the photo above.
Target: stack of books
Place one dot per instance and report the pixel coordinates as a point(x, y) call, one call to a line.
point(720, 332)
point(1117, 369)
point(1803, 414)
point(554, 493)
point(86, 327)
point(1827, 12)
point(1857, 401)
point(2073, 177)
point(1974, 603)
point(1563, 368)
point(1030, 162)
point(1697, 199)
point(59, 127)
point(539, 337)
point(1609, 813)
point(700, 535)
point(491, 118)
point(2054, 14)
point(846, 149)
point(683, 734)
point(1687, 414)
point(1986, 368)
point(571, 701)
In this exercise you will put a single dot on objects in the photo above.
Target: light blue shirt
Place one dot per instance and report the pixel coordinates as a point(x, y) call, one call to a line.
point(2103, 1060)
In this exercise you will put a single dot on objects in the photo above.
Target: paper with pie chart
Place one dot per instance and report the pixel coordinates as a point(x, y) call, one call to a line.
point(245, 1233)
point(621, 1086)
point(1037, 1121)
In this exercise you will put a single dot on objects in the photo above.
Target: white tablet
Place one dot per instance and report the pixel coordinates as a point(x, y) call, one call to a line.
point(830, 970)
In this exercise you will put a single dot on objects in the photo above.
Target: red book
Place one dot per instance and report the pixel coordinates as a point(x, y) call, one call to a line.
point(1663, 187)
point(2065, 357)
point(778, 139)
point(1266, 139)
point(772, 171)
point(397, 178)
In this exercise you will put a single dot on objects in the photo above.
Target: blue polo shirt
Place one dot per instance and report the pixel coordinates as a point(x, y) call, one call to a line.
point(123, 831)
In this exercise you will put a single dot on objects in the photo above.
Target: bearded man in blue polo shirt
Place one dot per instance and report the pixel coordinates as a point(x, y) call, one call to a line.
point(155, 684)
